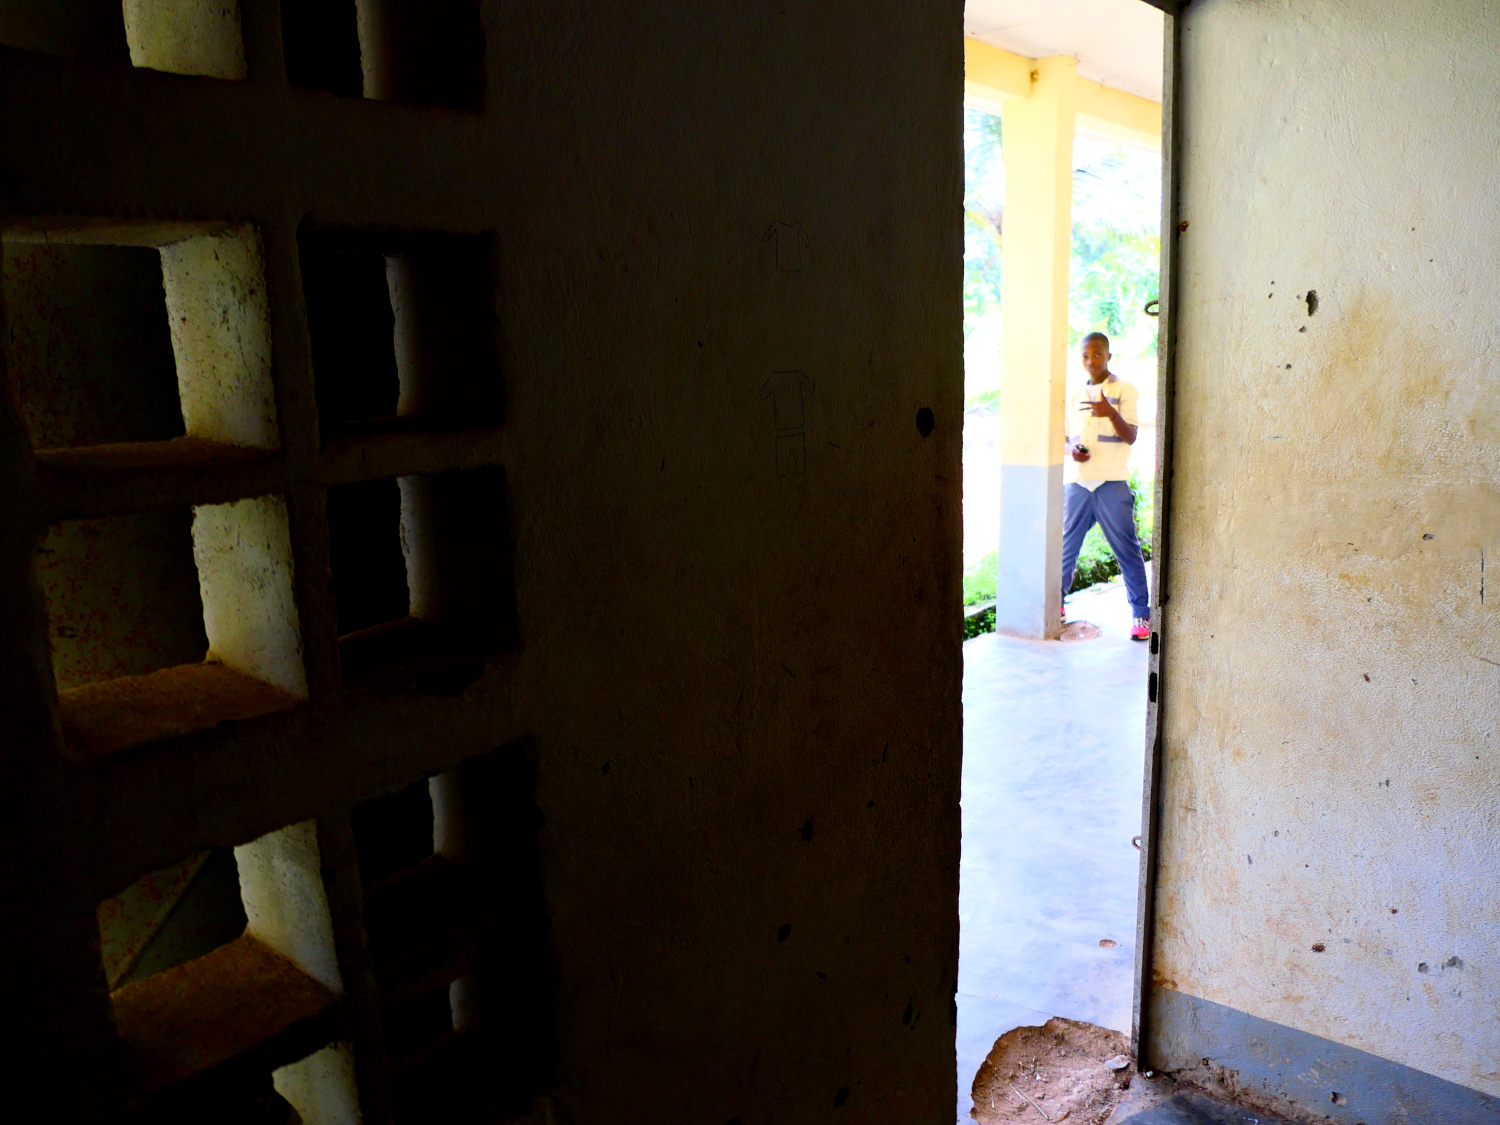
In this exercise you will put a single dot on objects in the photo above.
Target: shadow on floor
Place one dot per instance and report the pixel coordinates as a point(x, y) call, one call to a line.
point(1159, 1101)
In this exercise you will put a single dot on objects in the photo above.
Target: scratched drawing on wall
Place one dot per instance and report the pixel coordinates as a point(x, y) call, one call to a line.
point(786, 390)
point(791, 242)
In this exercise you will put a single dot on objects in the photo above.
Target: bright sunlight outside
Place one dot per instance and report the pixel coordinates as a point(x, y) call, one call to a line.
point(1116, 247)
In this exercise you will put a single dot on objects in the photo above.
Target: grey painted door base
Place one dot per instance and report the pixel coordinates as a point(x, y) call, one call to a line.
point(1262, 1064)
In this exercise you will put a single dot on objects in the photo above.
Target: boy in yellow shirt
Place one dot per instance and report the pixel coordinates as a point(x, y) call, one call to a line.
point(1104, 420)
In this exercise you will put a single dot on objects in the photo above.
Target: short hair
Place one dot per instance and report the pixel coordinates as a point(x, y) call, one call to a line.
point(1100, 336)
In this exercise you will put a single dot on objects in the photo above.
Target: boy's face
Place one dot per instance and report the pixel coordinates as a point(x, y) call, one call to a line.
point(1095, 359)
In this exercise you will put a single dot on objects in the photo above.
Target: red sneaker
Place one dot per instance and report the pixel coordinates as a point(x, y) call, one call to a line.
point(1141, 629)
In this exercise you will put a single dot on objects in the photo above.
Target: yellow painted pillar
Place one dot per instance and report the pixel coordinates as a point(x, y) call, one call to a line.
point(1036, 245)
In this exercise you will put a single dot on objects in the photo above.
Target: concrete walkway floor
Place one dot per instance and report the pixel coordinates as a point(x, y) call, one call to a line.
point(1054, 752)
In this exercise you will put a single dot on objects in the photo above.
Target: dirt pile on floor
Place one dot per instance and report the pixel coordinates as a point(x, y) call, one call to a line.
point(1063, 1071)
point(1080, 631)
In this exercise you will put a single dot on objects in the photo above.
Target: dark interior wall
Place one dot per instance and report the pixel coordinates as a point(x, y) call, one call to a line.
point(727, 266)
point(741, 671)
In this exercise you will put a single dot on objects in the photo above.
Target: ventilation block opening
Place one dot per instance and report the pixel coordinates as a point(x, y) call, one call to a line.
point(393, 832)
point(169, 622)
point(88, 346)
point(424, 52)
point(89, 30)
point(364, 542)
point(456, 579)
point(320, 42)
point(224, 985)
point(403, 332)
point(140, 335)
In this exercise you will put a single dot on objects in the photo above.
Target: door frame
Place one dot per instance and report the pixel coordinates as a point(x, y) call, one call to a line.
point(1166, 350)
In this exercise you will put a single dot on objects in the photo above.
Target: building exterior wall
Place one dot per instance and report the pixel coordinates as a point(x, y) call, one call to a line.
point(723, 502)
point(1326, 901)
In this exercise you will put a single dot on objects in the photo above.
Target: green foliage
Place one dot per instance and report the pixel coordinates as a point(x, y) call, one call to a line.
point(980, 579)
point(1096, 562)
point(986, 402)
point(984, 205)
point(1116, 234)
point(979, 623)
point(1116, 245)
point(1113, 279)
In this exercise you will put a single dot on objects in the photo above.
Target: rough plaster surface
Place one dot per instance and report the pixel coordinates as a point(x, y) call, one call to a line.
point(240, 992)
point(321, 1086)
point(286, 906)
point(739, 674)
point(186, 36)
point(112, 715)
point(1330, 790)
point(220, 320)
point(243, 554)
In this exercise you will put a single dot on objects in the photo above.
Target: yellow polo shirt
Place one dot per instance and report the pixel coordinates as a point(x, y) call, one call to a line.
point(1109, 454)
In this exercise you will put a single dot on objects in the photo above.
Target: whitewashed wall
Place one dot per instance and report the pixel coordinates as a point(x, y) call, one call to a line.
point(1330, 823)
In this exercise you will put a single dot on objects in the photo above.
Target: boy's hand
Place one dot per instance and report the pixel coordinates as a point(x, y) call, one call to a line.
point(1101, 407)
point(1080, 454)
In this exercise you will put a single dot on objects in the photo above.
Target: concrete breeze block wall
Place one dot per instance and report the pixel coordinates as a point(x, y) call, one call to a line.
point(1326, 932)
point(678, 445)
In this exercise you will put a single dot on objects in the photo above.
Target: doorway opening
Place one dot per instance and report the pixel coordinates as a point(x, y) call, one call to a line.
point(1063, 202)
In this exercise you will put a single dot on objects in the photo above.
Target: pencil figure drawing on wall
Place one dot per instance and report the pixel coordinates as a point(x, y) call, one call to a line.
point(791, 243)
point(786, 390)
